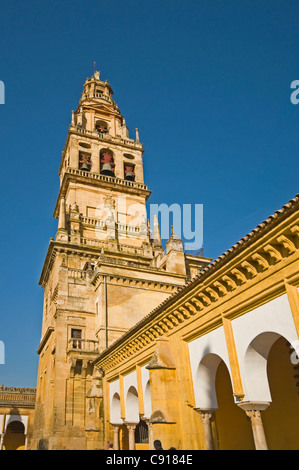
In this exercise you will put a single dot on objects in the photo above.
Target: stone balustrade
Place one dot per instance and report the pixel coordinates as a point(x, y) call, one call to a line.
point(105, 178)
point(17, 395)
point(107, 137)
point(87, 345)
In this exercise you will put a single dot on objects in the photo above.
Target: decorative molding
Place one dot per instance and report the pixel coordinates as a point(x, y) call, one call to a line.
point(45, 339)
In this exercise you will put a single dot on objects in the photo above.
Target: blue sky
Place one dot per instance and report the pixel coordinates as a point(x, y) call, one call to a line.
point(207, 83)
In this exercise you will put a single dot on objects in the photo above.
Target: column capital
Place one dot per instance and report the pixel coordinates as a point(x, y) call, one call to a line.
point(253, 406)
point(131, 426)
point(205, 413)
point(116, 428)
point(253, 411)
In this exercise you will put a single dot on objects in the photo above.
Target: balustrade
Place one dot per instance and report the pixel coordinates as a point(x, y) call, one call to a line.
point(88, 345)
point(108, 179)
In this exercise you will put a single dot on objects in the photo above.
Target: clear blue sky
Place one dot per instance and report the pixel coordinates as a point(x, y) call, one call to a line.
point(207, 83)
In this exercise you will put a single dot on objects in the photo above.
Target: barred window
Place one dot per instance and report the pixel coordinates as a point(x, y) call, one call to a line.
point(141, 433)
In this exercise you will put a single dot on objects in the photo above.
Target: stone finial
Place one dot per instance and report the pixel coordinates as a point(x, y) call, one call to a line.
point(62, 232)
point(157, 236)
point(62, 220)
point(174, 243)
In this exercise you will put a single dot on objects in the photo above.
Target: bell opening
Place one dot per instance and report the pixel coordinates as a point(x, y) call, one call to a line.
point(129, 172)
point(107, 163)
point(84, 161)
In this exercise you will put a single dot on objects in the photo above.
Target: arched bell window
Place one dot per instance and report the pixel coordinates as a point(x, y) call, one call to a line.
point(101, 127)
point(107, 164)
point(84, 161)
point(129, 171)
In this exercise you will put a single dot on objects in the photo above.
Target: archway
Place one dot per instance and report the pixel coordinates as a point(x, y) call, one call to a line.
point(281, 418)
point(14, 438)
point(132, 406)
point(255, 366)
point(115, 413)
point(147, 401)
point(232, 428)
point(229, 426)
point(205, 381)
point(141, 435)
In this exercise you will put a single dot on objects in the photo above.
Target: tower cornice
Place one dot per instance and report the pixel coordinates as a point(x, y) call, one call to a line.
point(101, 181)
point(131, 262)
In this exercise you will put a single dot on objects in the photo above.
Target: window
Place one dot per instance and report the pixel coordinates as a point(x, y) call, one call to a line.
point(76, 336)
point(101, 127)
point(141, 433)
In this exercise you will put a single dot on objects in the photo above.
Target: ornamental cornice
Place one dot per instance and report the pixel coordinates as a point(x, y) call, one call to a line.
point(45, 339)
point(90, 252)
point(126, 281)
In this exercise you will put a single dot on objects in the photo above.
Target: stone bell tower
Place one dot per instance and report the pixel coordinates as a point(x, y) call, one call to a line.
point(103, 272)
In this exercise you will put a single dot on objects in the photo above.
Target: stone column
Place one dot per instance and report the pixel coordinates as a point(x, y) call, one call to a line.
point(150, 436)
point(131, 429)
point(206, 415)
point(116, 437)
point(253, 411)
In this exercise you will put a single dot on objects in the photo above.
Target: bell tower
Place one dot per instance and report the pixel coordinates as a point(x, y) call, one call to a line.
point(103, 271)
point(101, 171)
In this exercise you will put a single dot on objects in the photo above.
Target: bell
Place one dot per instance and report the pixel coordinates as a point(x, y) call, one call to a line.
point(129, 173)
point(107, 169)
point(84, 167)
point(129, 176)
